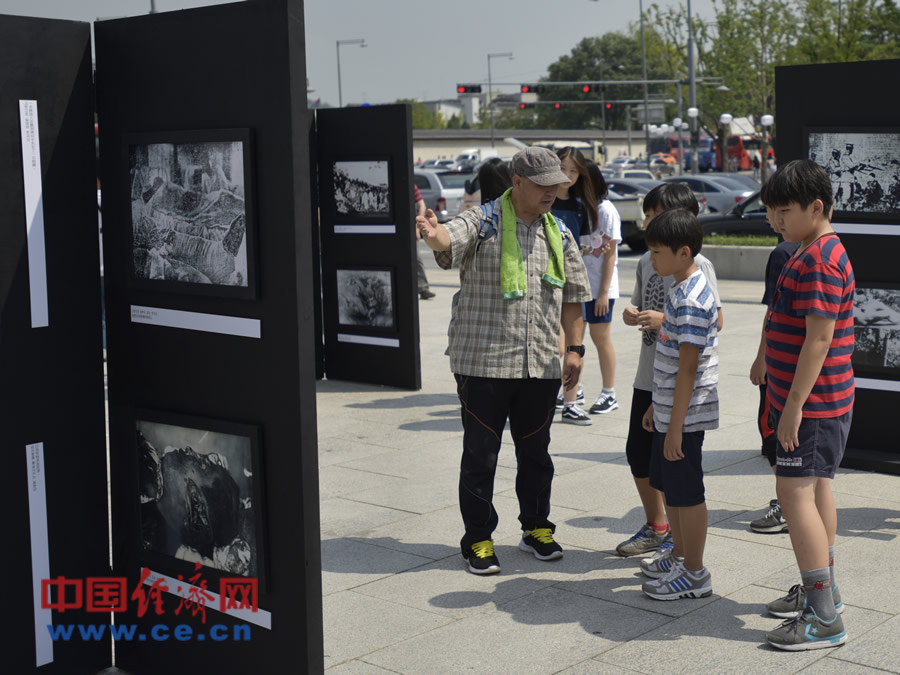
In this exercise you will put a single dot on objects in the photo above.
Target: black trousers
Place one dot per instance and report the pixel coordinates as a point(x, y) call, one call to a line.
point(486, 404)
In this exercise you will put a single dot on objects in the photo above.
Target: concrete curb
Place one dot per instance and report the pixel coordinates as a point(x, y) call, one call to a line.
point(746, 263)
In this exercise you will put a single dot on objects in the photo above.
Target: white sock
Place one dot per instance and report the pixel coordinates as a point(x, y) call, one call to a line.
point(609, 392)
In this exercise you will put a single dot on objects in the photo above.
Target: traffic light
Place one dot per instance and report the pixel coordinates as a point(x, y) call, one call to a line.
point(532, 89)
point(523, 106)
point(586, 89)
point(468, 89)
point(557, 105)
point(609, 106)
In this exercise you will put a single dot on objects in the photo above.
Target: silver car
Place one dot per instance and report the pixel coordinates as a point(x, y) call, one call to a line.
point(720, 194)
point(442, 191)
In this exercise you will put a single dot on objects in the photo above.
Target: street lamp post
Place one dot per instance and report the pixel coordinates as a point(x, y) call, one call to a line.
point(496, 55)
point(767, 121)
point(644, 67)
point(361, 43)
point(692, 91)
point(725, 121)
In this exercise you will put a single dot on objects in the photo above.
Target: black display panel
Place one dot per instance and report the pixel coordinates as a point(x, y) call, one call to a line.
point(855, 137)
point(370, 308)
point(205, 157)
point(51, 404)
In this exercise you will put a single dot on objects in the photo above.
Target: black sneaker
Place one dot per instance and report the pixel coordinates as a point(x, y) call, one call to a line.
point(480, 558)
point(426, 294)
point(605, 403)
point(539, 541)
point(772, 522)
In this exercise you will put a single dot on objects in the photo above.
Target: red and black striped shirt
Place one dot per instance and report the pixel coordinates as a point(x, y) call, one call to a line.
point(818, 281)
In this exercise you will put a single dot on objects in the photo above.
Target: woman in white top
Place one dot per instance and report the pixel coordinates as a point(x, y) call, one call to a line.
point(603, 272)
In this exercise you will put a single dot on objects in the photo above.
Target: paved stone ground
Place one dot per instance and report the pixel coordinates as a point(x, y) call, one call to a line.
point(397, 598)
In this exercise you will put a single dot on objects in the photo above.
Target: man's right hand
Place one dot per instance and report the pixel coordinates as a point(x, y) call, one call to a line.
point(434, 234)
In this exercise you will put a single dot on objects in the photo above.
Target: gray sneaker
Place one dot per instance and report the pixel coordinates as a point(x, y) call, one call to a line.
point(678, 584)
point(643, 541)
point(772, 522)
point(660, 562)
point(792, 604)
point(807, 631)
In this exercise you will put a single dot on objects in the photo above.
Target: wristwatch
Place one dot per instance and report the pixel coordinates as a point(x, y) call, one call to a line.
point(578, 349)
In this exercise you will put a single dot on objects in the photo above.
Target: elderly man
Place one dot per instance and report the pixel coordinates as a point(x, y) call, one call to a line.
point(521, 278)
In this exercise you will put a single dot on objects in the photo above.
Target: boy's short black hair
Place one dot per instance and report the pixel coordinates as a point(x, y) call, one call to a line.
point(801, 181)
point(671, 196)
point(676, 228)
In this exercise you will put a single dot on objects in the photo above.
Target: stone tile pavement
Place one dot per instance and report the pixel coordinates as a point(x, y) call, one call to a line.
point(397, 598)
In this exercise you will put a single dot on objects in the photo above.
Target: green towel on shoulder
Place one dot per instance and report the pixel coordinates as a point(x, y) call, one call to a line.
point(512, 268)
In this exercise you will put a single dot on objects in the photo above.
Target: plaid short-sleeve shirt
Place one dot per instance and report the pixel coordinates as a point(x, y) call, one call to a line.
point(507, 339)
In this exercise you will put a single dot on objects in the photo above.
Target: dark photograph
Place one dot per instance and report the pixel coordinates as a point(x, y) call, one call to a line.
point(197, 491)
point(362, 189)
point(365, 298)
point(864, 167)
point(876, 316)
point(189, 213)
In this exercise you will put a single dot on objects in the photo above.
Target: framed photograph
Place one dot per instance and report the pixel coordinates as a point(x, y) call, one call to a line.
point(876, 318)
point(864, 167)
point(365, 299)
point(192, 216)
point(201, 496)
point(362, 191)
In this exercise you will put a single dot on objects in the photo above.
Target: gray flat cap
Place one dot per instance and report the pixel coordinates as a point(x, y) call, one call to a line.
point(539, 165)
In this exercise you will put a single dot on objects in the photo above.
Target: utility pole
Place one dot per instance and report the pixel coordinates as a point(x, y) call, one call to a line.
point(646, 104)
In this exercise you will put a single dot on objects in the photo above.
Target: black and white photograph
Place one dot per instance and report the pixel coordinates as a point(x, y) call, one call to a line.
point(365, 297)
point(362, 189)
point(198, 492)
point(189, 214)
point(876, 317)
point(864, 167)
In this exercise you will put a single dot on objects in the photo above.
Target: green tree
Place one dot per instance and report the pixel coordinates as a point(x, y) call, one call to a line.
point(613, 56)
point(422, 117)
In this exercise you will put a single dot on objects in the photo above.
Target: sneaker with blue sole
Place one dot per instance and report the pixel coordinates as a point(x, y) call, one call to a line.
point(807, 631)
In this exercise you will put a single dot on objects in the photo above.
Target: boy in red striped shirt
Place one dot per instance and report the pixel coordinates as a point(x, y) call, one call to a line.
point(809, 341)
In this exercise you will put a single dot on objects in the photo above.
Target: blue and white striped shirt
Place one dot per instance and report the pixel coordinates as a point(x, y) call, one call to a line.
point(690, 318)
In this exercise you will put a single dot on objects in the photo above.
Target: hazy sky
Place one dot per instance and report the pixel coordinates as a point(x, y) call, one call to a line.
point(416, 48)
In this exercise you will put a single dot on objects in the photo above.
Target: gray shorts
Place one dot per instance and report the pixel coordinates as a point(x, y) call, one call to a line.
point(822, 444)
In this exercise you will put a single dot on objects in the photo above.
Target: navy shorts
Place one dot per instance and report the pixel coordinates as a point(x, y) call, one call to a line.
point(822, 445)
point(680, 481)
point(587, 312)
point(639, 445)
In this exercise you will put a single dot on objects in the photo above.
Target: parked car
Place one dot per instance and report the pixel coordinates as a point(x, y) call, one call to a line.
point(640, 174)
point(720, 196)
point(661, 167)
point(631, 187)
point(747, 217)
point(631, 212)
point(442, 191)
point(748, 181)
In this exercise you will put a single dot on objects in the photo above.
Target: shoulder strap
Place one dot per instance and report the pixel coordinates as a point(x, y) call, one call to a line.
point(490, 220)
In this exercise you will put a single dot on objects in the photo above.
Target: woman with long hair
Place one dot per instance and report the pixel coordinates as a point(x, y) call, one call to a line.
point(603, 273)
point(576, 206)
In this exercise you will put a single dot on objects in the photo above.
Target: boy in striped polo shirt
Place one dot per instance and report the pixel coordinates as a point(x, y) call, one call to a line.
point(685, 401)
point(809, 341)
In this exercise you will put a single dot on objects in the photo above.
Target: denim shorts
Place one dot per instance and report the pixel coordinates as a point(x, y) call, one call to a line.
point(680, 481)
point(822, 444)
point(587, 312)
